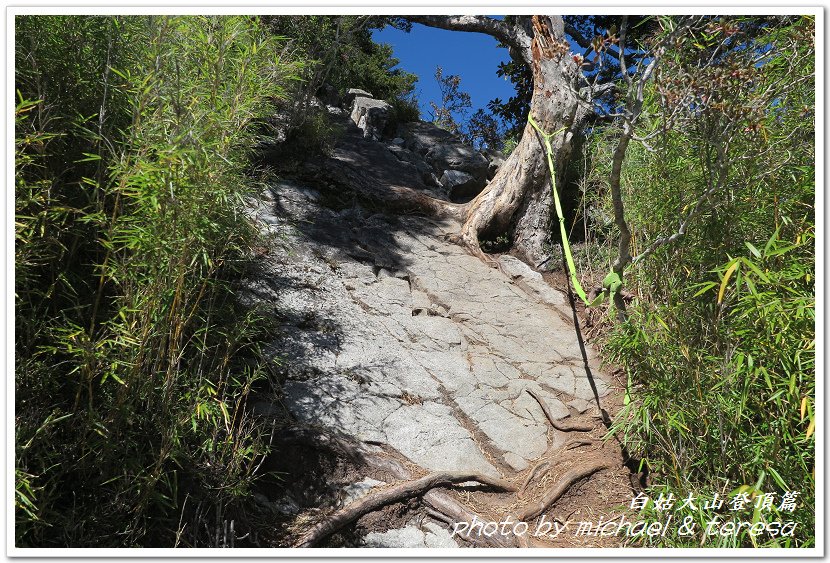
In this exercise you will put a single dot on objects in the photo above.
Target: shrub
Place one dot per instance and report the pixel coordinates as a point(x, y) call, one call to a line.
point(719, 343)
point(131, 381)
point(725, 382)
point(404, 110)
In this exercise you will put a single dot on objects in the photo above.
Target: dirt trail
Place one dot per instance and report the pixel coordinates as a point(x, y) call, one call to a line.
point(402, 355)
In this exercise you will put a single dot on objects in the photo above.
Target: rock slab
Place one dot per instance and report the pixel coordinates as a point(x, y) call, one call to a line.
point(396, 336)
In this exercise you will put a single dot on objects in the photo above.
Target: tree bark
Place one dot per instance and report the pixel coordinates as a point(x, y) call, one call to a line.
point(518, 200)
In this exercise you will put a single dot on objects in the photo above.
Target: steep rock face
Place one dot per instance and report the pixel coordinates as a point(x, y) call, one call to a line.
point(412, 342)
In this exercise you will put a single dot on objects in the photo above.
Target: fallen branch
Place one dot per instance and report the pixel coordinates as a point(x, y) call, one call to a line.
point(572, 427)
point(555, 493)
point(399, 492)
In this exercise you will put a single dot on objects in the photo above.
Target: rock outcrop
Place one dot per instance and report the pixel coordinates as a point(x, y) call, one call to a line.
point(399, 340)
point(370, 116)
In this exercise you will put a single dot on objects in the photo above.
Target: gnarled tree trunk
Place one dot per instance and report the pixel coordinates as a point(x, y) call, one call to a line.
point(518, 200)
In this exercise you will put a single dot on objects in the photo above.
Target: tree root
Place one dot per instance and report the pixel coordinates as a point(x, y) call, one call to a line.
point(574, 426)
point(555, 493)
point(575, 443)
point(539, 467)
point(399, 492)
point(453, 512)
point(444, 508)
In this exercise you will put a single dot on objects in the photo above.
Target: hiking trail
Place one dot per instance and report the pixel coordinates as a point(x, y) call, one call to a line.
point(402, 355)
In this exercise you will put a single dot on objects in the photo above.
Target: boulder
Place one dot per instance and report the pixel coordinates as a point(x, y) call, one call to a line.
point(371, 116)
point(420, 136)
point(461, 185)
point(456, 156)
point(404, 155)
point(353, 93)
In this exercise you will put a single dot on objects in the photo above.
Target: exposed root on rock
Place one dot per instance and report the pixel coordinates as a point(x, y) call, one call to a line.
point(391, 495)
point(532, 474)
point(575, 443)
point(452, 512)
point(555, 493)
point(574, 426)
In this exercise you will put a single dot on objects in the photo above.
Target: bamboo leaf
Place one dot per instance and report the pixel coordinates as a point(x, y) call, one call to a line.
point(752, 249)
point(811, 428)
point(725, 280)
point(704, 288)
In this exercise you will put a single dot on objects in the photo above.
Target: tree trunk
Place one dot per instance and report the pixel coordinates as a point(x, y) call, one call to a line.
point(518, 200)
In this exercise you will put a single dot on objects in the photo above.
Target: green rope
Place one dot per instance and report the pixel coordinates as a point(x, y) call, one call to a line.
point(612, 282)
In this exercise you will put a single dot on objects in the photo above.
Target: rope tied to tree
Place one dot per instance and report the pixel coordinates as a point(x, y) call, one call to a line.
point(612, 282)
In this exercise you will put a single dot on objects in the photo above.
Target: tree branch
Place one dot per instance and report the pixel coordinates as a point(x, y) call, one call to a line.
point(681, 230)
point(580, 40)
point(513, 36)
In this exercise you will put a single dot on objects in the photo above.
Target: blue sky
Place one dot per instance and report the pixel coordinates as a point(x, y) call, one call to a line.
point(473, 56)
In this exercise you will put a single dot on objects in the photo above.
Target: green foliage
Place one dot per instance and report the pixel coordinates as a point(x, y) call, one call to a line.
point(343, 54)
point(404, 110)
point(719, 343)
point(483, 131)
point(726, 390)
point(133, 363)
point(454, 102)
